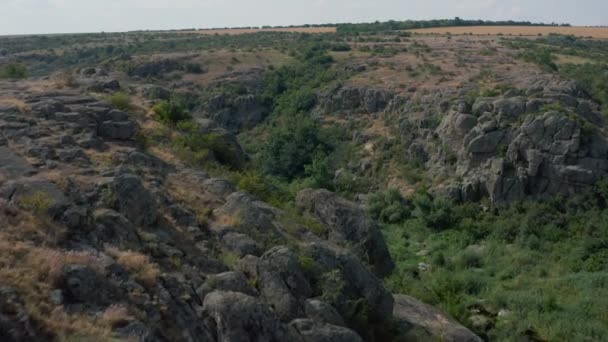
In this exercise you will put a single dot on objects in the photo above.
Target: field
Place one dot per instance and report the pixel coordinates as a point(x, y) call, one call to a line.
point(255, 30)
point(595, 32)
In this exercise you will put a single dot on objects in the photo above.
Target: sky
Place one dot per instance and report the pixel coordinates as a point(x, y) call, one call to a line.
point(67, 16)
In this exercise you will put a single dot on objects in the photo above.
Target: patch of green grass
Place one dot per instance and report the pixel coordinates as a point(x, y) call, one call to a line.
point(13, 71)
point(38, 203)
point(543, 266)
point(120, 100)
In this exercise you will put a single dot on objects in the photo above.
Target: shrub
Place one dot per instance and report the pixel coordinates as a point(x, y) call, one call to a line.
point(38, 203)
point(13, 71)
point(120, 100)
point(291, 147)
point(170, 112)
point(193, 68)
point(388, 206)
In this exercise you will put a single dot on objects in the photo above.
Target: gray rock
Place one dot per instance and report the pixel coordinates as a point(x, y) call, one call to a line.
point(282, 283)
point(482, 105)
point(424, 322)
point(220, 187)
point(240, 244)
point(35, 195)
point(238, 317)
point(511, 107)
point(486, 143)
point(348, 225)
point(227, 281)
point(323, 312)
point(83, 285)
point(114, 229)
point(13, 165)
point(251, 213)
point(154, 92)
point(117, 130)
point(134, 200)
point(315, 331)
point(353, 278)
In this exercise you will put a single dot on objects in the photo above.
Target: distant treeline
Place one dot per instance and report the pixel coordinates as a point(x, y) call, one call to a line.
point(393, 25)
point(420, 24)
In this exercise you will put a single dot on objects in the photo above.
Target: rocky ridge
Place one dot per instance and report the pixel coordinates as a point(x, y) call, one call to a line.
point(132, 242)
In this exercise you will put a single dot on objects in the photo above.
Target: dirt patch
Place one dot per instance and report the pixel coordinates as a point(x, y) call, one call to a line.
point(595, 32)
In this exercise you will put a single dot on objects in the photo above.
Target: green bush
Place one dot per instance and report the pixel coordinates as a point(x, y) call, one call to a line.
point(120, 100)
point(170, 112)
point(13, 71)
point(291, 147)
point(388, 206)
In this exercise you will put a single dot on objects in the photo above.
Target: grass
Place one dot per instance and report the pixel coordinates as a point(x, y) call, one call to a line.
point(38, 203)
point(544, 266)
point(121, 101)
point(145, 271)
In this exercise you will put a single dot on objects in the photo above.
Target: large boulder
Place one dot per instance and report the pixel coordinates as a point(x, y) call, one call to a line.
point(315, 331)
point(248, 211)
point(342, 280)
point(134, 200)
point(236, 113)
point(117, 130)
point(348, 226)
point(13, 165)
point(237, 317)
point(39, 196)
point(282, 283)
point(422, 322)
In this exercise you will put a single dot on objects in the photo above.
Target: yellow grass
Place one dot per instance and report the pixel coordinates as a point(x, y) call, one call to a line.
point(595, 32)
point(146, 271)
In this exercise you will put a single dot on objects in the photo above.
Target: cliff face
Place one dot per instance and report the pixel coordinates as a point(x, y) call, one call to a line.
point(103, 239)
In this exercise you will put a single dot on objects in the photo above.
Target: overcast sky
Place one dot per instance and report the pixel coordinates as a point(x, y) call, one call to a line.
point(59, 16)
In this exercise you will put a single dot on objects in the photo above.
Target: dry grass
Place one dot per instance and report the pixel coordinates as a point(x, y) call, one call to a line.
point(146, 272)
point(33, 271)
point(20, 104)
point(116, 315)
point(595, 32)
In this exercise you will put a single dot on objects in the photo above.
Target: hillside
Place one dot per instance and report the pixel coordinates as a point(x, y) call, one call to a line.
point(358, 185)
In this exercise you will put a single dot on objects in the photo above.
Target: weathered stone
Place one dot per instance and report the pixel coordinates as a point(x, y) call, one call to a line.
point(348, 225)
point(117, 130)
point(322, 312)
point(315, 331)
point(282, 283)
point(417, 319)
point(134, 200)
point(238, 317)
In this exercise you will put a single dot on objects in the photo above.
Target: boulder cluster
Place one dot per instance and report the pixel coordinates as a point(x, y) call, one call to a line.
point(188, 256)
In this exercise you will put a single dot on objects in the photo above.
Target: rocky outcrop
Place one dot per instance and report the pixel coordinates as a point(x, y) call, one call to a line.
point(422, 322)
point(282, 283)
point(348, 225)
point(234, 113)
point(153, 251)
point(507, 147)
point(349, 99)
point(236, 317)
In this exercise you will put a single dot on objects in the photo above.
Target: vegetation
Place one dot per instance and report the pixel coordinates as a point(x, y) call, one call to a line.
point(13, 71)
point(592, 75)
point(120, 100)
point(412, 24)
point(170, 112)
point(542, 266)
